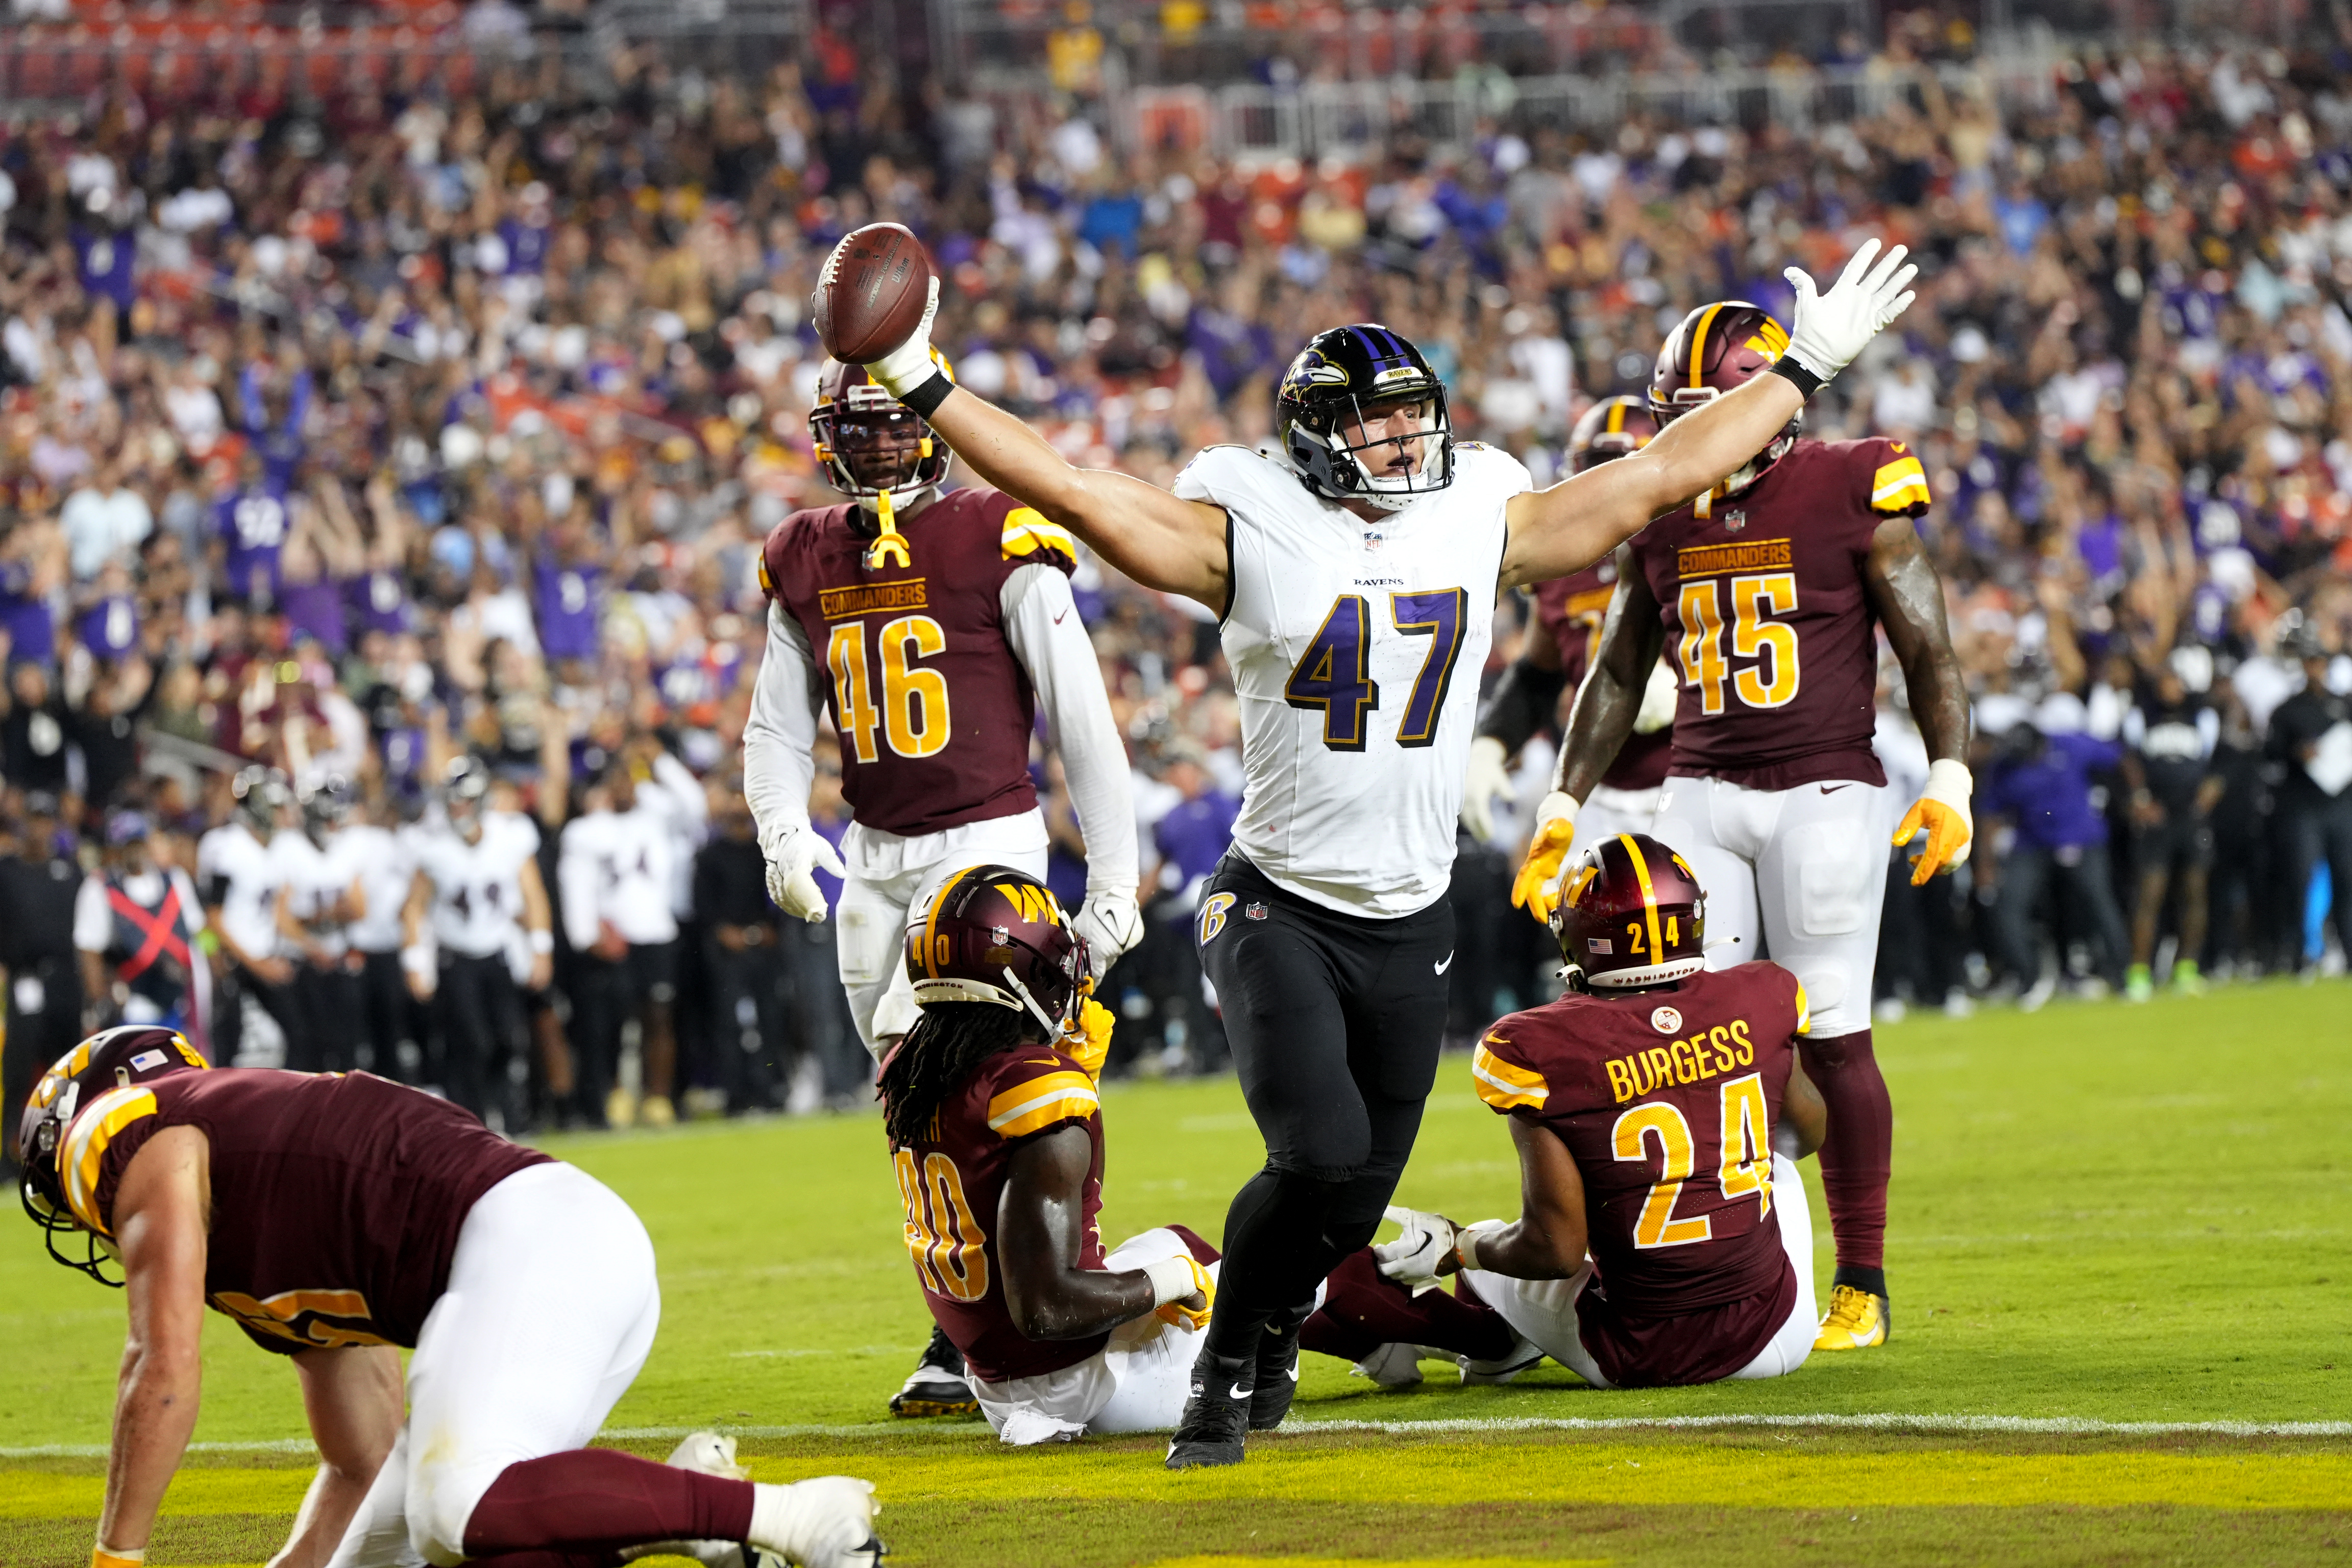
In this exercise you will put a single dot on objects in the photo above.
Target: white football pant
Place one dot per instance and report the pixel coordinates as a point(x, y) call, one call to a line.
point(1138, 1383)
point(890, 881)
point(1544, 1310)
point(1606, 813)
point(1804, 869)
point(549, 1311)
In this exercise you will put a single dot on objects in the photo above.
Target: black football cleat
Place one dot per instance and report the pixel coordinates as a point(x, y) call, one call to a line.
point(936, 1386)
point(1216, 1418)
point(1277, 1371)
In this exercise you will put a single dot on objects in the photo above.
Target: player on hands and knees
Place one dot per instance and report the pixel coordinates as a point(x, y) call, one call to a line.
point(932, 626)
point(996, 1133)
point(1554, 656)
point(338, 1219)
point(1353, 578)
point(1658, 1110)
point(1765, 591)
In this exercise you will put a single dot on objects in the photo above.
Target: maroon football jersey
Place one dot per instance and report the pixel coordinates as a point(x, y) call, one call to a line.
point(1665, 1098)
point(336, 1197)
point(951, 1182)
point(933, 710)
point(1572, 609)
point(1768, 619)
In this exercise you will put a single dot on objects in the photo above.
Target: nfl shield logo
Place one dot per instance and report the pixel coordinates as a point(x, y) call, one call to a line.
point(1255, 912)
point(1733, 521)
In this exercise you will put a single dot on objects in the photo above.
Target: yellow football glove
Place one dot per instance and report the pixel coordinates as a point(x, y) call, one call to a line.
point(1178, 1314)
point(1086, 1038)
point(1941, 812)
point(1531, 890)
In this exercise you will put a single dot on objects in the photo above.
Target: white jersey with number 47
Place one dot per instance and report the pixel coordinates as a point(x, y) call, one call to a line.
point(1356, 649)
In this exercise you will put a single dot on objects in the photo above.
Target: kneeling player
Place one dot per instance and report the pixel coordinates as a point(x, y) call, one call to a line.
point(1658, 1112)
point(337, 1216)
point(996, 1133)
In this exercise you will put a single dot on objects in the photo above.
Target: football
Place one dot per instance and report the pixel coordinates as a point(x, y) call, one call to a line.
point(870, 297)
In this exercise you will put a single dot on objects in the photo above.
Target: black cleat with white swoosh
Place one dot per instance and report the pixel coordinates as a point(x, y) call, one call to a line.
point(1216, 1417)
point(1277, 1369)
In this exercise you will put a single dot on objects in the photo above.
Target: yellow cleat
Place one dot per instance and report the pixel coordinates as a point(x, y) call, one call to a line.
point(1856, 1320)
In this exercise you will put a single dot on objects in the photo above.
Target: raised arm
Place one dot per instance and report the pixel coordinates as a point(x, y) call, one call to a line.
point(1176, 546)
point(1908, 599)
point(1575, 523)
point(1041, 1221)
point(1606, 705)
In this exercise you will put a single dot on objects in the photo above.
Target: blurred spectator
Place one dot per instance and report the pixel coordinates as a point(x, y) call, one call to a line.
point(2043, 790)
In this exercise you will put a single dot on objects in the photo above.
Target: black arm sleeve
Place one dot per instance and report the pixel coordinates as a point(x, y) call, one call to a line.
point(1524, 700)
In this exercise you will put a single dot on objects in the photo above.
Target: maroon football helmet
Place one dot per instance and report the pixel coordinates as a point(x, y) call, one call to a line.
point(1716, 348)
point(1631, 913)
point(114, 1061)
point(1609, 428)
point(994, 934)
point(869, 442)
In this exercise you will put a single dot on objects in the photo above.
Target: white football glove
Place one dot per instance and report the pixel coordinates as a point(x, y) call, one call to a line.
point(791, 851)
point(1831, 329)
point(1411, 1259)
point(1112, 924)
point(909, 364)
point(1658, 700)
point(1488, 781)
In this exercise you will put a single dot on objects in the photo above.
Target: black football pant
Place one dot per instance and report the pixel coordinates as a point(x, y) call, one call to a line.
point(2318, 831)
point(1336, 1022)
point(34, 1037)
point(387, 1031)
point(477, 1012)
point(749, 1058)
point(328, 1004)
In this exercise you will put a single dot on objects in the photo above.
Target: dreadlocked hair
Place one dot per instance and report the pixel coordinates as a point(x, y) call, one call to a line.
point(939, 1052)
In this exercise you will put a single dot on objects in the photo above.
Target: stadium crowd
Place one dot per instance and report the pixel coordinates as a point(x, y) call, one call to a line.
point(347, 437)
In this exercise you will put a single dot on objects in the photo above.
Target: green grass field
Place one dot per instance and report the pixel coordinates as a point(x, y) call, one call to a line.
point(2123, 1334)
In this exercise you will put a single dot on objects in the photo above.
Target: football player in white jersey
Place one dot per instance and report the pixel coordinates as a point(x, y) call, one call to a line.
point(324, 898)
point(1354, 579)
point(241, 882)
point(615, 877)
point(476, 878)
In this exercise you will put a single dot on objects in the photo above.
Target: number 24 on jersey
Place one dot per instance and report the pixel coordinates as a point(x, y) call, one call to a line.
point(1335, 674)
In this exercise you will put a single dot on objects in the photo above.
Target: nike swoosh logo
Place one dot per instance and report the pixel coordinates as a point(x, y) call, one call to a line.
point(1058, 614)
point(1241, 1393)
point(1832, 789)
point(1442, 968)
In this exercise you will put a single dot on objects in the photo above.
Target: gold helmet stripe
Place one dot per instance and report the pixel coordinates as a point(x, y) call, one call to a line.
point(1617, 415)
point(1698, 343)
point(932, 924)
point(1649, 893)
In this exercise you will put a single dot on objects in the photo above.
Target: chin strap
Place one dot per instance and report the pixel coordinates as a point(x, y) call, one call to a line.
point(891, 542)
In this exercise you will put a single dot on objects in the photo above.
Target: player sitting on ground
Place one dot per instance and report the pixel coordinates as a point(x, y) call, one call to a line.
point(334, 1217)
point(1659, 1113)
point(996, 1133)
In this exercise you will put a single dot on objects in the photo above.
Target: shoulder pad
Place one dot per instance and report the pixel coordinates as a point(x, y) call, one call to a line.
point(1035, 1088)
point(1898, 484)
point(1029, 537)
point(1501, 1077)
point(1230, 472)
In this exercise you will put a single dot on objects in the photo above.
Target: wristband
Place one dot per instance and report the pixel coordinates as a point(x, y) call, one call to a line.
point(1173, 1279)
point(925, 400)
point(542, 941)
point(105, 1556)
point(1803, 380)
point(417, 960)
point(1465, 1244)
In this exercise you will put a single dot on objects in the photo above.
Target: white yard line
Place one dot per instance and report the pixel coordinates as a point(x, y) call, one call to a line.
point(1925, 1426)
